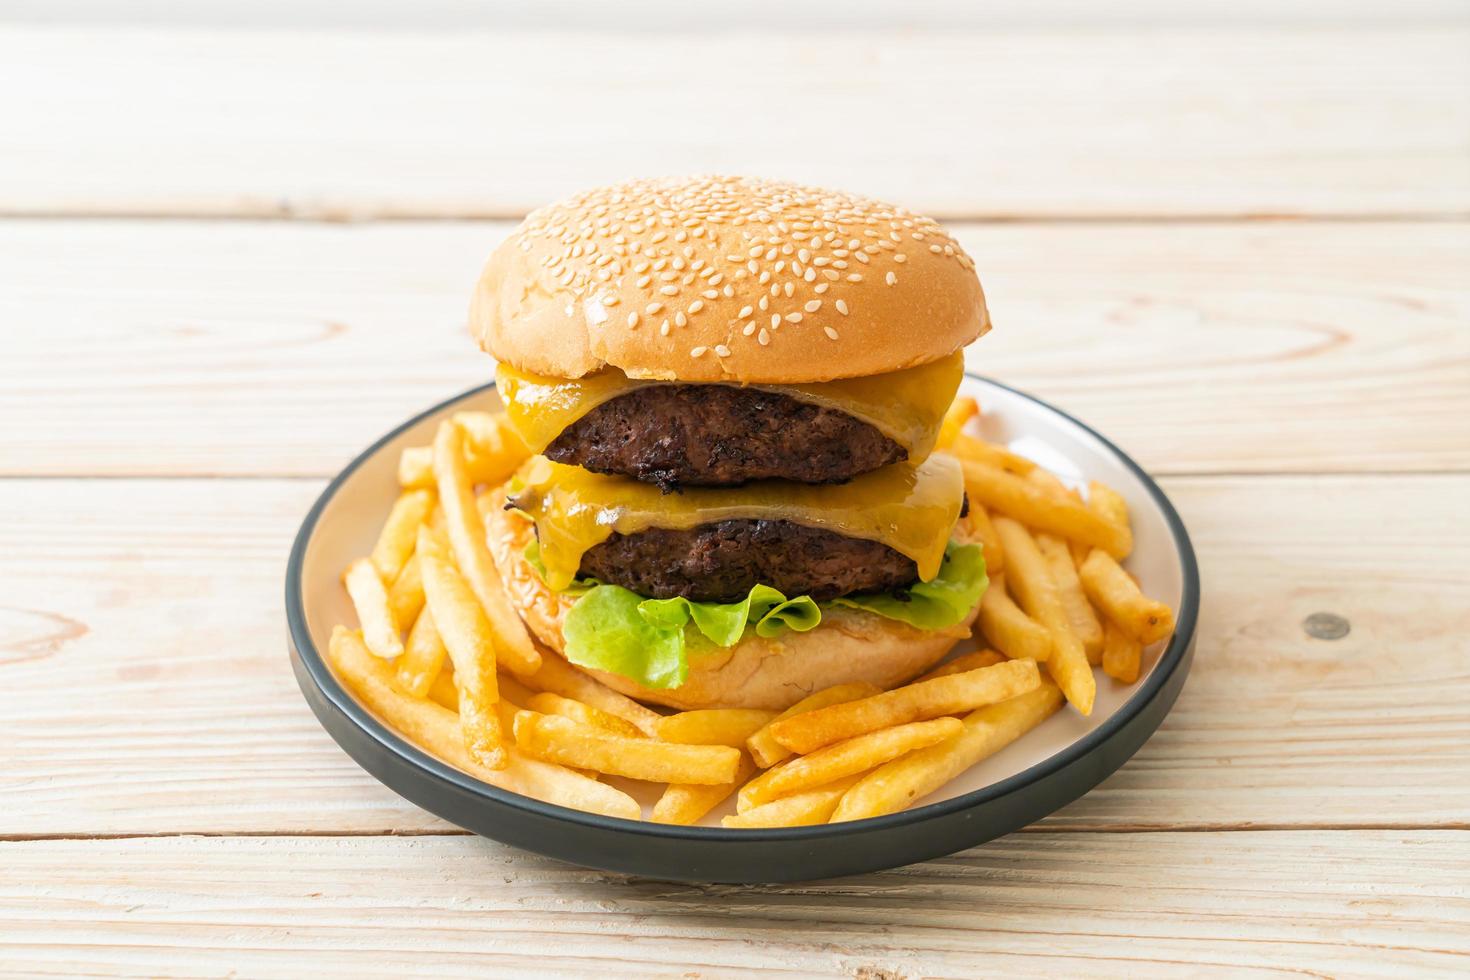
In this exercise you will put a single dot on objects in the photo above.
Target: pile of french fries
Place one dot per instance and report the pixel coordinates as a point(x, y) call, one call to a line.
point(441, 655)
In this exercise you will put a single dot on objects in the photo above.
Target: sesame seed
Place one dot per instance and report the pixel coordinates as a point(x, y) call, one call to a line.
point(935, 249)
point(857, 276)
point(748, 329)
point(721, 350)
point(644, 281)
point(891, 279)
point(674, 290)
point(764, 303)
point(900, 258)
point(665, 329)
point(680, 320)
point(831, 334)
point(698, 351)
point(790, 289)
point(775, 320)
point(793, 318)
point(653, 308)
point(745, 311)
point(710, 294)
point(822, 287)
point(696, 306)
point(763, 337)
point(841, 305)
point(813, 305)
point(633, 319)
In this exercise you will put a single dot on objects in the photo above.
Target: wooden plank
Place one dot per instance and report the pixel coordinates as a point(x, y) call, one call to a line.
point(992, 123)
point(144, 686)
point(167, 348)
point(1360, 904)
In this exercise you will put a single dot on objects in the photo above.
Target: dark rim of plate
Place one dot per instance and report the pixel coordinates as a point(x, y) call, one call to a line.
point(343, 700)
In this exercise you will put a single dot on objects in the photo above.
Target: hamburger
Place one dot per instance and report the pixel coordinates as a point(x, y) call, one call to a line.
point(733, 389)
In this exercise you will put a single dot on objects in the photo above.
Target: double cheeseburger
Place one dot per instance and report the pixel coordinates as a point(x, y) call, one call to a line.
point(733, 388)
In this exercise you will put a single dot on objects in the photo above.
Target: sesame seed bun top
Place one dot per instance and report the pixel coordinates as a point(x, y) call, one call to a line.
point(726, 279)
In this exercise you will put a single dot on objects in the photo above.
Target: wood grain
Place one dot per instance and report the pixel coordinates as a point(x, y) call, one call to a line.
point(1328, 904)
point(1161, 122)
point(144, 686)
point(168, 348)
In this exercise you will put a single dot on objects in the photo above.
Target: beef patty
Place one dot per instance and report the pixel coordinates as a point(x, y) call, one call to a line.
point(719, 435)
point(719, 562)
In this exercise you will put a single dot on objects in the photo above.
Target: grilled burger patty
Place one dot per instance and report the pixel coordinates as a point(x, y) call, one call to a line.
point(719, 562)
point(720, 435)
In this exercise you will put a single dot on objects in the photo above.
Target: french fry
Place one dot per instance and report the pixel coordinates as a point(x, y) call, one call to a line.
point(1080, 615)
point(713, 726)
point(559, 677)
point(556, 739)
point(1050, 482)
point(1115, 593)
point(423, 657)
point(810, 731)
point(554, 704)
point(467, 543)
point(1121, 654)
point(847, 758)
point(961, 411)
point(436, 730)
point(1021, 500)
point(798, 810)
point(406, 594)
point(962, 663)
point(443, 691)
point(987, 730)
point(370, 599)
point(766, 751)
point(396, 539)
point(1109, 504)
point(979, 451)
point(416, 468)
point(1030, 580)
point(686, 803)
point(466, 634)
point(433, 544)
point(995, 555)
point(1010, 630)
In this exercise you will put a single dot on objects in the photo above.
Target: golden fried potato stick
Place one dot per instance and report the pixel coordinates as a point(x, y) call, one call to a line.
point(713, 726)
point(962, 663)
point(798, 810)
point(423, 658)
point(467, 542)
point(1115, 593)
point(466, 634)
point(766, 751)
point(1010, 630)
point(396, 539)
point(554, 704)
point(685, 803)
point(559, 677)
point(846, 758)
point(979, 451)
point(493, 449)
point(960, 411)
point(1121, 654)
point(1080, 615)
point(987, 730)
point(1030, 580)
point(1022, 500)
point(370, 599)
point(556, 739)
point(436, 730)
point(811, 730)
point(995, 555)
point(406, 594)
point(416, 468)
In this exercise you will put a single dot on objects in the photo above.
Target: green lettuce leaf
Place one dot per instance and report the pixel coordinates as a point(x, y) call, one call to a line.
point(648, 640)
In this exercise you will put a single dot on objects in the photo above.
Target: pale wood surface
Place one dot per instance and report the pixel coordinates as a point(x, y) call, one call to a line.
point(284, 348)
point(173, 393)
point(1155, 122)
point(1038, 904)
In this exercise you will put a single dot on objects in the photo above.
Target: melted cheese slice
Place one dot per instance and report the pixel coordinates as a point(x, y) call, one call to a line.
point(909, 507)
point(906, 406)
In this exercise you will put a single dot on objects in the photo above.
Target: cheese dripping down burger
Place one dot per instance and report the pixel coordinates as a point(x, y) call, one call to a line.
point(733, 387)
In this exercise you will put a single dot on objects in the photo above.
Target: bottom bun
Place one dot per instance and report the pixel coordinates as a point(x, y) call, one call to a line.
point(849, 645)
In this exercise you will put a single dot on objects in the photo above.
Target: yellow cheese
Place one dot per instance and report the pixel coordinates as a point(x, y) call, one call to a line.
point(909, 507)
point(906, 406)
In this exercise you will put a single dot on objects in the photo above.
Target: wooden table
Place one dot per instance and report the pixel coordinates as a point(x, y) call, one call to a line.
point(1242, 253)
